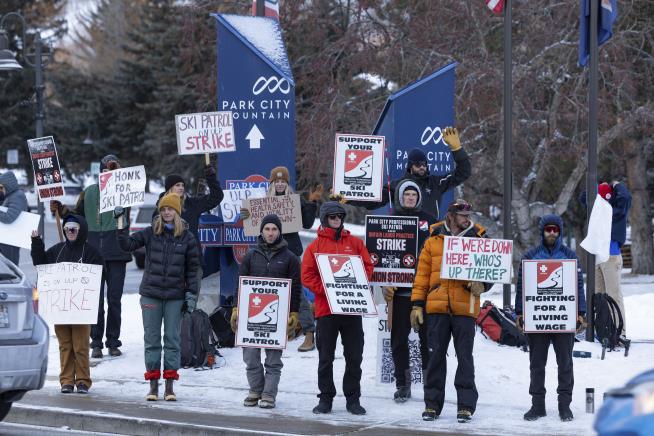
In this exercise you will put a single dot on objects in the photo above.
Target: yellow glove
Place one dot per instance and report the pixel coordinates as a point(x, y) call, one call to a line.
point(451, 138)
point(293, 323)
point(520, 323)
point(336, 197)
point(233, 321)
point(581, 324)
point(315, 194)
point(245, 213)
point(477, 288)
point(388, 292)
point(416, 317)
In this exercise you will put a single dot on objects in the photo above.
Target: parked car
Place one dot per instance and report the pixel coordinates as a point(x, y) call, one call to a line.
point(24, 337)
point(140, 218)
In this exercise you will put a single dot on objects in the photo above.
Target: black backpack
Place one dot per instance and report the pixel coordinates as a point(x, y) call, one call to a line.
point(608, 321)
point(498, 325)
point(220, 323)
point(198, 347)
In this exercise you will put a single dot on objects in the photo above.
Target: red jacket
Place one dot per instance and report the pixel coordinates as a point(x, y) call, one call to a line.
point(326, 243)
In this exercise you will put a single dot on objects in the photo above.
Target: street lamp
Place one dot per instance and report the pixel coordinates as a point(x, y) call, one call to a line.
point(9, 63)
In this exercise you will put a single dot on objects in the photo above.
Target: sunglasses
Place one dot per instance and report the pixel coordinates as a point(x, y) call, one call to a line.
point(71, 229)
point(420, 164)
point(551, 229)
point(461, 206)
point(333, 216)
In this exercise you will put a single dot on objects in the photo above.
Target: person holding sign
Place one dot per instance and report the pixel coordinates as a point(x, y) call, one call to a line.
point(170, 285)
point(551, 247)
point(102, 236)
point(271, 257)
point(334, 239)
point(452, 307)
point(73, 338)
point(14, 200)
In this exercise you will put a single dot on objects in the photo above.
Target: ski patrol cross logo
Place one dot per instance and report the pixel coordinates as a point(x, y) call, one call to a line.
point(549, 278)
point(262, 312)
point(342, 269)
point(358, 167)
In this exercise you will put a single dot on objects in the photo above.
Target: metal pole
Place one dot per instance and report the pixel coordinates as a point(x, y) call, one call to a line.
point(38, 68)
point(508, 122)
point(591, 178)
point(261, 8)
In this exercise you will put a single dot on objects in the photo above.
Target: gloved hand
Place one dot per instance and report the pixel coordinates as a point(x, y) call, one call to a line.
point(190, 302)
point(245, 213)
point(416, 317)
point(55, 206)
point(337, 197)
point(388, 292)
point(581, 323)
point(293, 323)
point(209, 171)
point(315, 194)
point(476, 288)
point(451, 138)
point(520, 323)
point(233, 321)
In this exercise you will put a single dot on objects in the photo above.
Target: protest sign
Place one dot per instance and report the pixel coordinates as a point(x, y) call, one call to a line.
point(392, 242)
point(385, 364)
point(286, 207)
point(208, 132)
point(122, 187)
point(477, 259)
point(45, 163)
point(69, 292)
point(346, 284)
point(210, 235)
point(549, 295)
point(230, 207)
point(359, 167)
point(263, 309)
point(19, 233)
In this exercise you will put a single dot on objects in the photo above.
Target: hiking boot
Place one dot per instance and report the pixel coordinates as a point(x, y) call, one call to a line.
point(308, 344)
point(169, 395)
point(153, 395)
point(355, 408)
point(267, 403)
point(115, 352)
point(96, 353)
point(323, 407)
point(534, 413)
point(565, 413)
point(429, 415)
point(402, 394)
point(67, 389)
point(251, 400)
point(463, 415)
point(82, 389)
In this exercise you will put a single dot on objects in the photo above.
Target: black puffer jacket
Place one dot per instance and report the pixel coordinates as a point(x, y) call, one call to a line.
point(78, 250)
point(275, 261)
point(308, 209)
point(171, 263)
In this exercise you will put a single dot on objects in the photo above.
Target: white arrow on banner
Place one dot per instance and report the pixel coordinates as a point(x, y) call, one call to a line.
point(255, 137)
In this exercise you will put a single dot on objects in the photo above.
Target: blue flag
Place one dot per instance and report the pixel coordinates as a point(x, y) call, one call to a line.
point(607, 14)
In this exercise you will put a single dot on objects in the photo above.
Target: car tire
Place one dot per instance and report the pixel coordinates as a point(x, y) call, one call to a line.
point(139, 259)
point(5, 407)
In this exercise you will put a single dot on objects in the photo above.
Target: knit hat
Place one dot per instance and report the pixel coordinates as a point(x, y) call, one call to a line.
point(416, 155)
point(172, 180)
point(173, 201)
point(330, 208)
point(279, 173)
point(271, 218)
point(402, 187)
point(605, 191)
point(105, 161)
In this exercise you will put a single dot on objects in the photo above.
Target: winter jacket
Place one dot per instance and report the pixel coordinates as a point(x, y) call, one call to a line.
point(443, 295)
point(620, 202)
point(275, 261)
point(171, 263)
point(559, 251)
point(15, 202)
point(78, 250)
point(327, 243)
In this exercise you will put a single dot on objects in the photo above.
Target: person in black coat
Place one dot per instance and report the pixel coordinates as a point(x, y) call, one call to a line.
point(73, 338)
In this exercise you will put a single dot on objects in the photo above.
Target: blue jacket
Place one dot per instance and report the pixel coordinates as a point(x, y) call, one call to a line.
point(621, 203)
point(559, 251)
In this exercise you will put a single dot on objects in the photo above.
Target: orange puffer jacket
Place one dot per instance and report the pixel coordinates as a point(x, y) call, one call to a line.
point(443, 296)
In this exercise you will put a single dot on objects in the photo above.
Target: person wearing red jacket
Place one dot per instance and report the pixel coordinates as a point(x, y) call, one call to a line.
point(334, 239)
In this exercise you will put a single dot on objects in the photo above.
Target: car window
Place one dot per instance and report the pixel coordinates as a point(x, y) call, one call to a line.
point(145, 214)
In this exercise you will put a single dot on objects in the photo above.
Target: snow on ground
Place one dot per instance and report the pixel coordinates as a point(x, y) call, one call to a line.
point(502, 377)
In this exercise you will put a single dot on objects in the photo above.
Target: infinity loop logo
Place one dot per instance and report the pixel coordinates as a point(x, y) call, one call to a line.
point(272, 84)
point(430, 135)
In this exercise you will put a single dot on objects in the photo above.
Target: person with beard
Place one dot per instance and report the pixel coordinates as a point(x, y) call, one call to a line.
point(14, 199)
point(271, 257)
point(551, 247)
point(334, 239)
point(407, 202)
point(452, 307)
point(73, 338)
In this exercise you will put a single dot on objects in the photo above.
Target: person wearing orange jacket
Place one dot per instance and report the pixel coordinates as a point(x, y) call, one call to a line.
point(452, 307)
point(334, 239)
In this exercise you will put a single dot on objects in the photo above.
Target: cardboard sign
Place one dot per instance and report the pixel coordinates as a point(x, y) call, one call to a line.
point(286, 207)
point(385, 364)
point(392, 242)
point(346, 284)
point(19, 233)
point(69, 293)
point(230, 207)
point(549, 295)
point(263, 308)
point(477, 259)
point(45, 163)
point(122, 187)
point(359, 167)
point(208, 132)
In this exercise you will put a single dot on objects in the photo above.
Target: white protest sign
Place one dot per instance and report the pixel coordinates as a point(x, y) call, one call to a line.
point(385, 364)
point(208, 132)
point(19, 233)
point(263, 309)
point(346, 284)
point(286, 207)
point(477, 259)
point(549, 295)
point(232, 201)
point(359, 167)
point(69, 292)
point(122, 187)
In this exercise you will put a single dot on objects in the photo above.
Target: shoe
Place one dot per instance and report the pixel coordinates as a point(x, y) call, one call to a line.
point(115, 352)
point(323, 407)
point(82, 389)
point(534, 413)
point(308, 344)
point(402, 394)
point(96, 353)
point(463, 415)
point(251, 400)
point(355, 408)
point(565, 413)
point(429, 415)
point(67, 389)
point(169, 395)
point(153, 395)
point(267, 403)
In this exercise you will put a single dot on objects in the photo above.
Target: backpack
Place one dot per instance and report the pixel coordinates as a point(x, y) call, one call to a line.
point(198, 347)
point(221, 326)
point(608, 321)
point(498, 325)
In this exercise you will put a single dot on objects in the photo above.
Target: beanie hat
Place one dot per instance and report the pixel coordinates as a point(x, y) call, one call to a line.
point(416, 155)
point(402, 187)
point(605, 191)
point(172, 180)
point(173, 201)
point(330, 208)
point(70, 218)
point(271, 219)
point(105, 161)
point(279, 173)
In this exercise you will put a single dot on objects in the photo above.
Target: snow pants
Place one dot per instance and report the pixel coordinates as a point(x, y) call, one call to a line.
point(400, 340)
point(262, 384)
point(608, 282)
point(114, 278)
point(539, 344)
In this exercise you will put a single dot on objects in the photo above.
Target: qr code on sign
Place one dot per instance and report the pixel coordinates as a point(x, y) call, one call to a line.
point(387, 367)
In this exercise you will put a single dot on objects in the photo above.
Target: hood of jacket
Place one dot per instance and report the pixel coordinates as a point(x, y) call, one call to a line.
point(8, 180)
point(402, 185)
point(83, 229)
point(547, 220)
